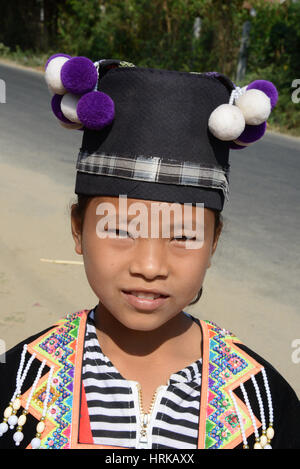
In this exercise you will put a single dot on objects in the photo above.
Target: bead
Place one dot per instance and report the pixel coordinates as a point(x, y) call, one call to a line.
point(22, 420)
point(257, 445)
point(40, 427)
point(270, 433)
point(263, 440)
point(12, 421)
point(35, 443)
point(8, 412)
point(18, 437)
point(17, 404)
point(3, 428)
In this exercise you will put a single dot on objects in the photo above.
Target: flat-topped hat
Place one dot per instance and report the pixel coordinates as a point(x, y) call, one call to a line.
point(155, 134)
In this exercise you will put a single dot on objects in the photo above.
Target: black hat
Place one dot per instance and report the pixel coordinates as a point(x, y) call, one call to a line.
point(149, 133)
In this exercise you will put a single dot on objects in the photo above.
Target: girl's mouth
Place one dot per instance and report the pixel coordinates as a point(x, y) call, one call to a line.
point(145, 302)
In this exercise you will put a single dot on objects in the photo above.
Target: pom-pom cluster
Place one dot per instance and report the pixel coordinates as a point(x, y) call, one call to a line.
point(244, 119)
point(76, 103)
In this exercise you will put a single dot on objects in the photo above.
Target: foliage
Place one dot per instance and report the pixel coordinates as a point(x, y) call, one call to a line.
point(160, 34)
point(274, 55)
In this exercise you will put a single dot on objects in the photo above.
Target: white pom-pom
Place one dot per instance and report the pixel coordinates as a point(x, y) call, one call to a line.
point(255, 105)
point(68, 106)
point(52, 75)
point(226, 122)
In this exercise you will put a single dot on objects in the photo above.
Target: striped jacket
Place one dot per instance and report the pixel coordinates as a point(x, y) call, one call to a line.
point(236, 404)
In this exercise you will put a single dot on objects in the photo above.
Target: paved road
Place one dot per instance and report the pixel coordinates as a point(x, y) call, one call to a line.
point(252, 287)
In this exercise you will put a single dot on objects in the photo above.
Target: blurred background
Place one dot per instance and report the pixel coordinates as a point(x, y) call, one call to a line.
point(252, 287)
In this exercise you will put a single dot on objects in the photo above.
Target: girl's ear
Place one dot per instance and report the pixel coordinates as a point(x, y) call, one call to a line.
point(76, 231)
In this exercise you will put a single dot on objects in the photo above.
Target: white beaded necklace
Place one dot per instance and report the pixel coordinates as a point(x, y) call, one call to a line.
point(10, 412)
point(257, 441)
point(239, 419)
point(18, 435)
point(262, 442)
point(36, 441)
point(270, 430)
point(10, 417)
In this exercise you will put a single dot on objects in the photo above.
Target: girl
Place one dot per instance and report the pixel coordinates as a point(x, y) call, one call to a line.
point(137, 371)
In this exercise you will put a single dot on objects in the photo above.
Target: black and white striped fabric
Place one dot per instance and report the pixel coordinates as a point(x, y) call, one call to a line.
point(114, 407)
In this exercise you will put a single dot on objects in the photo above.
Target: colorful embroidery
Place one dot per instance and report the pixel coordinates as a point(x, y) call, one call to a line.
point(226, 366)
point(58, 347)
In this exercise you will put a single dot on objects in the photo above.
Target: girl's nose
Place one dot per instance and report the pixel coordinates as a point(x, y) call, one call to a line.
point(149, 258)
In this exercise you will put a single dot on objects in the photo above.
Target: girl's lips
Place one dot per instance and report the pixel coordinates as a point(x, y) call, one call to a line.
point(144, 303)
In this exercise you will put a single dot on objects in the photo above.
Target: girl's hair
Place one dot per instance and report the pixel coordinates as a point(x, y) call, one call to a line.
point(78, 210)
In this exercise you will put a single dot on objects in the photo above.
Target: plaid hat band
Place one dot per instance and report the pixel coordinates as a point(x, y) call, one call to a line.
point(154, 169)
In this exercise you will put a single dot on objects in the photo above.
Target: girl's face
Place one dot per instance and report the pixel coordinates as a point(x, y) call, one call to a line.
point(115, 265)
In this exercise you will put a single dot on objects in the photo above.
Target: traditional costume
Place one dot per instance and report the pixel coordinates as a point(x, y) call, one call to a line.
point(155, 135)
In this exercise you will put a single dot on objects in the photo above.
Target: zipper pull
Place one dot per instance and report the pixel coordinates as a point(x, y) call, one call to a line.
point(143, 440)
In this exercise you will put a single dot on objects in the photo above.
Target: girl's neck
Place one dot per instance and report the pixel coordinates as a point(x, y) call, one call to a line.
point(173, 337)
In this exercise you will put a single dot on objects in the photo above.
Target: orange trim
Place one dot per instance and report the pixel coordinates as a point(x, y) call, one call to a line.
point(85, 433)
point(204, 384)
point(241, 404)
point(32, 410)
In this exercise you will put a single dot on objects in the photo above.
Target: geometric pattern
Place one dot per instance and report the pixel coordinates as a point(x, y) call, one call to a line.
point(227, 366)
point(224, 368)
point(58, 348)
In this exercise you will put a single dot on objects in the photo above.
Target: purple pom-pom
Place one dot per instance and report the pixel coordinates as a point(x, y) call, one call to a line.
point(252, 133)
point(56, 55)
point(96, 110)
point(266, 87)
point(55, 105)
point(79, 75)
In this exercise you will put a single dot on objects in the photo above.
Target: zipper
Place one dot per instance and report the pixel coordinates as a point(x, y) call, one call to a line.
point(144, 436)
